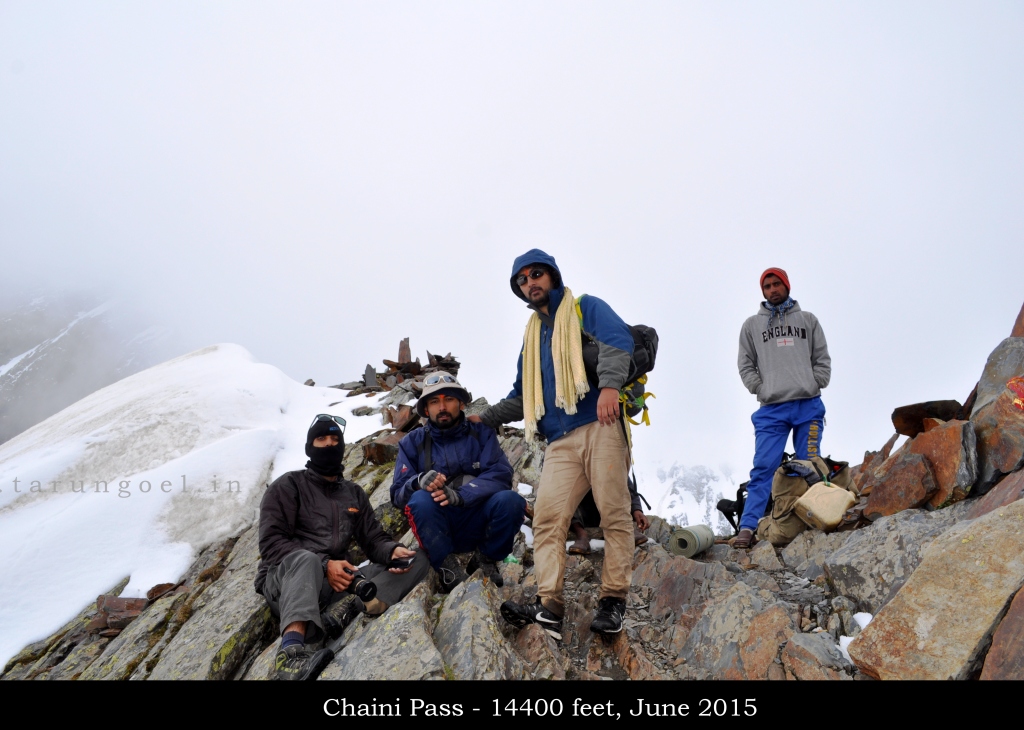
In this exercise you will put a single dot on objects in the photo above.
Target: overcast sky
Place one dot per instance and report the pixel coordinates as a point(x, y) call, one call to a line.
point(315, 181)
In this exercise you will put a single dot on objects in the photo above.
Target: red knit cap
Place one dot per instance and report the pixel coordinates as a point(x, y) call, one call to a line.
point(779, 273)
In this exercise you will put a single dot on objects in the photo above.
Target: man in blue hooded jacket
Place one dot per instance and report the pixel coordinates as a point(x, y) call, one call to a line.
point(455, 484)
point(580, 419)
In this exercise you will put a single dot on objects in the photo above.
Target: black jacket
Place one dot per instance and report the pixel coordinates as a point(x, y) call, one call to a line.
point(303, 511)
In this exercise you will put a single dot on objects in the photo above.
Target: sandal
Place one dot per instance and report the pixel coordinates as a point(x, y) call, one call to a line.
point(579, 547)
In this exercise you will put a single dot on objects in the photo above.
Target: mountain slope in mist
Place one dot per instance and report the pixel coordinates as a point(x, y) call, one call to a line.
point(55, 351)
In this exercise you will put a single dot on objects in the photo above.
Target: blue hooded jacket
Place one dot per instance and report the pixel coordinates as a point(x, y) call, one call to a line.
point(601, 323)
point(467, 448)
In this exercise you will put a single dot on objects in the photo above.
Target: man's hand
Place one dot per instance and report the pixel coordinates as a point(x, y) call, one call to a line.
point(608, 406)
point(436, 484)
point(446, 495)
point(641, 520)
point(401, 552)
point(474, 418)
point(337, 576)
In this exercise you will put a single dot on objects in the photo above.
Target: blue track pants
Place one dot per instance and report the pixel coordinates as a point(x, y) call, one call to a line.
point(772, 425)
point(489, 527)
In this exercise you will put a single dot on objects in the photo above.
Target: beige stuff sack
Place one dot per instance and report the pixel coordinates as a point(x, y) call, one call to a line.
point(823, 506)
point(782, 526)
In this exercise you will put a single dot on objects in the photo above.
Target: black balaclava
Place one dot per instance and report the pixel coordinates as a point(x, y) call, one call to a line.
point(325, 460)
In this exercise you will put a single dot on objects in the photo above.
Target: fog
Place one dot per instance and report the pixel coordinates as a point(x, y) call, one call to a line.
point(316, 181)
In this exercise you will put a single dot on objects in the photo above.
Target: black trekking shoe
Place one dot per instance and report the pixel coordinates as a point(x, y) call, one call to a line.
point(294, 663)
point(490, 568)
point(521, 614)
point(339, 614)
point(609, 616)
point(450, 574)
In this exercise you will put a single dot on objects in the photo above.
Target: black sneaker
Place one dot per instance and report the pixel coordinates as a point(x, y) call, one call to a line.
point(490, 568)
point(339, 614)
point(450, 574)
point(294, 663)
point(521, 614)
point(609, 616)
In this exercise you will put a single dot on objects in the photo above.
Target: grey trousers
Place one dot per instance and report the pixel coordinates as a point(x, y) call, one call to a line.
point(297, 588)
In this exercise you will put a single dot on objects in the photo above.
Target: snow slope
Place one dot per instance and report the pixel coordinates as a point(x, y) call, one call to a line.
point(135, 478)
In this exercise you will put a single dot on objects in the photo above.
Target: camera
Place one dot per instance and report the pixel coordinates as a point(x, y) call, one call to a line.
point(361, 586)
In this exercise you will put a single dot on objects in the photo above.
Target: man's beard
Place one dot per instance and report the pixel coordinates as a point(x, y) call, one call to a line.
point(541, 301)
point(449, 420)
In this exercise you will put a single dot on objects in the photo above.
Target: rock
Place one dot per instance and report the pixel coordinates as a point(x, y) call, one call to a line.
point(872, 460)
point(814, 656)
point(159, 590)
point(309, 381)
point(904, 481)
point(757, 579)
point(1005, 362)
point(875, 562)
point(383, 449)
point(391, 519)
point(395, 646)
point(468, 638)
point(262, 667)
point(928, 630)
point(675, 581)
point(78, 659)
point(952, 452)
point(540, 652)
point(738, 635)
point(404, 352)
point(1000, 431)
point(1009, 490)
point(1005, 659)
point(228, 620)
point(125, 653)
point(909, 420)
point(369, 377)
point(764, 557)
point(806, 555)
point(526, 458)
point(633, 660)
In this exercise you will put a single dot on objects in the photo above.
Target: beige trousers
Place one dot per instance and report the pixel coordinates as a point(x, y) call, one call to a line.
point(592, 457)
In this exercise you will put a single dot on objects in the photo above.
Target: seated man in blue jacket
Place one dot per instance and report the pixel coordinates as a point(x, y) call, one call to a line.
point(455, 484)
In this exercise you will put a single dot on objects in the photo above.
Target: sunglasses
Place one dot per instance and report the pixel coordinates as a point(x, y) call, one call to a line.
point(327, 417)
point(439, 378)
point(534, 274)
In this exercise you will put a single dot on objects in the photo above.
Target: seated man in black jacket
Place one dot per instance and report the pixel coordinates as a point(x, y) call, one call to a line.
point(308, 518)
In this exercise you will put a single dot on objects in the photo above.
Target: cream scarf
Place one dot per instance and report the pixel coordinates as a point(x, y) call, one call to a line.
point(566, 352)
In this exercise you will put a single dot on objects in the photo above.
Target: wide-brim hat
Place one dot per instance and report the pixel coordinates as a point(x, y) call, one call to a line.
point(447, 384)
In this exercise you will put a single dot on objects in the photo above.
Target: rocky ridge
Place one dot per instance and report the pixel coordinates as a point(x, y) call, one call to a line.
point(938, 520)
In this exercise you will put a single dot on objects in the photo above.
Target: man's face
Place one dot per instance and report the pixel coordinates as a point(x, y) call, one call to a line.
point(322, 441)
point(442, 409)
point(536, 291)
point(775, 292)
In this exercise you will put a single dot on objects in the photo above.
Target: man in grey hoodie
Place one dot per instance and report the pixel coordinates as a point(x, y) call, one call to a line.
point(784, 361)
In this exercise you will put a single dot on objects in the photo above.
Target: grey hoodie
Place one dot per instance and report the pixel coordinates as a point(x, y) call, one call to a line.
point(787, 362)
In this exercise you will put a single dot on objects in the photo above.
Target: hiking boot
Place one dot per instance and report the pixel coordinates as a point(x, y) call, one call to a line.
point(521, 614)
point(339, 614)
point(744, 540)
point(450, 574)
point(375, 608)
point(294, 663)
point(490, 568)
point(609, 616)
